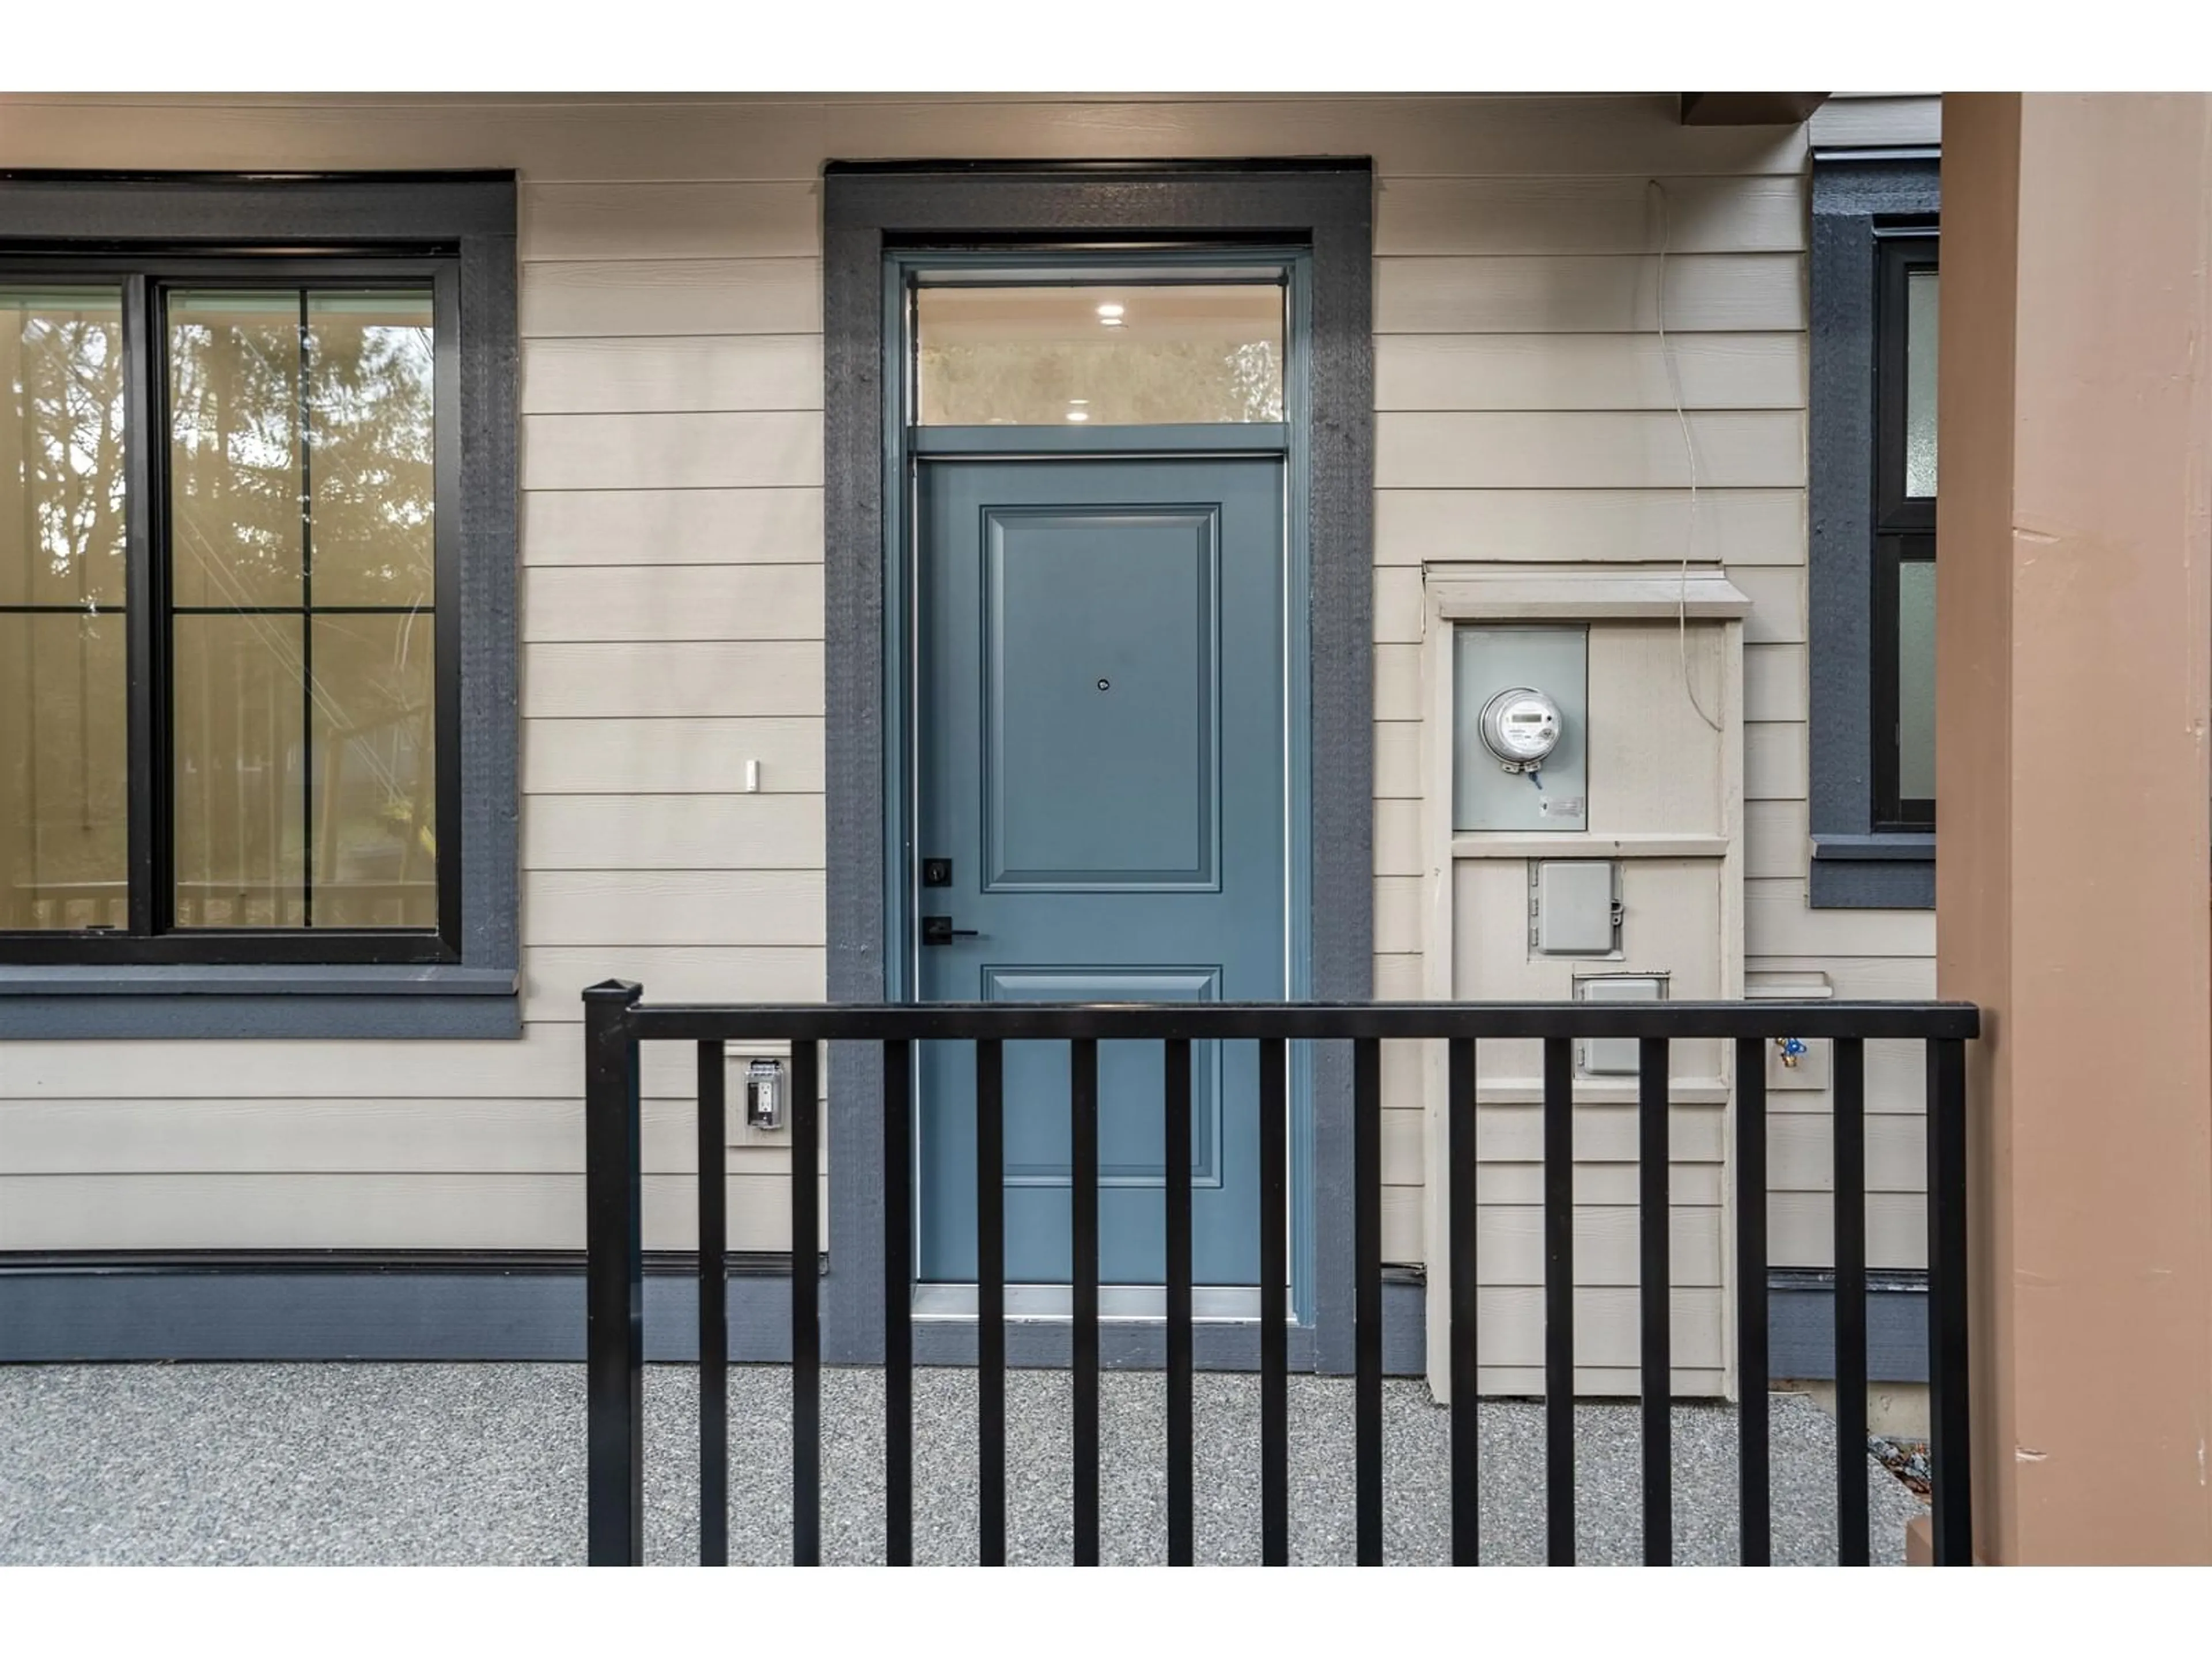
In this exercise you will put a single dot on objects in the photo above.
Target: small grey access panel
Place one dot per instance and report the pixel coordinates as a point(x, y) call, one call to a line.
point(1520, 699)
point(1617, 1056)
point(1577, 910)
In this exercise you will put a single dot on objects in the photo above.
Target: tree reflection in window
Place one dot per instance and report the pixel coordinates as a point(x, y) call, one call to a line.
point(64, 761)
point(302, 510)
point(1103, 355)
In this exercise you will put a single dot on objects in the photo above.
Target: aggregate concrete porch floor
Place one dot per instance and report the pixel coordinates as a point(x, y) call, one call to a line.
point(450, 1464)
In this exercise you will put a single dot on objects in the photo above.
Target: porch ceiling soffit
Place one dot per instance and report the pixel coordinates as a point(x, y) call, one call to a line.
point(1749, 109)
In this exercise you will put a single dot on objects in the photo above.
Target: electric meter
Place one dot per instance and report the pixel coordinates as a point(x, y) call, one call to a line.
point(1520, 725)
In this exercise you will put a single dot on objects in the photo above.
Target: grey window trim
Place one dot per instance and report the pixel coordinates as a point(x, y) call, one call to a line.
point(473, 215)
point(1853, 867)
point(1326, 206)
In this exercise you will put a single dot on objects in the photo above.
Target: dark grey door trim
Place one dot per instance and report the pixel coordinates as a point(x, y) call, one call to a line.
point(1323, 206)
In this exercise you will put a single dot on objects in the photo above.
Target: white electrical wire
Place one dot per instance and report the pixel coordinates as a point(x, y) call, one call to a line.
point(1689, 452)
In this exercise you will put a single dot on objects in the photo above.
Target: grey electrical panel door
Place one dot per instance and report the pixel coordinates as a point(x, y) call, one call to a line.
point(1486, 660)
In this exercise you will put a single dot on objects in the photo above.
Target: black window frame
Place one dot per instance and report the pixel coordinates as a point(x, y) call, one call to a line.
point(150, 234)
point(1870, 210)
point(1904, 524)
point(152, 937)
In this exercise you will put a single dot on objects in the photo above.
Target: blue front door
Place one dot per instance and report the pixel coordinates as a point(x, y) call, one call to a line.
point(1100, 760)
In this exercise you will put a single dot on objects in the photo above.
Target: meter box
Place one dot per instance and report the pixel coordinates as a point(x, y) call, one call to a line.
point(1520, 703)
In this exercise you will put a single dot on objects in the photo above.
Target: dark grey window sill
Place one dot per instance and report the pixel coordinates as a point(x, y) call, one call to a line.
point(1901, 847)
point(319, 1002)
point(1873, 873)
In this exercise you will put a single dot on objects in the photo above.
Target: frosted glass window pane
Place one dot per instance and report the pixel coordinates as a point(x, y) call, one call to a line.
point(369, 442)
point(234, 473)
point(64, 825)
point(1920, 306)
point(240, 786)
point(61, 447)
point(376, 831)
point(1916, 679)
point(1108, 355)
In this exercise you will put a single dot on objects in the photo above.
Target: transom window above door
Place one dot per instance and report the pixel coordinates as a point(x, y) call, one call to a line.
point(1144, 351)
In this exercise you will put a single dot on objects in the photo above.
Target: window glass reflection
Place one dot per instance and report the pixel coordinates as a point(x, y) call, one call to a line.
point(64, 763)
point(1109, 354)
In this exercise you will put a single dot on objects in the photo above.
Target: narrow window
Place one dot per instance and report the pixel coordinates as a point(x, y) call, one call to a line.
point(1903, 610)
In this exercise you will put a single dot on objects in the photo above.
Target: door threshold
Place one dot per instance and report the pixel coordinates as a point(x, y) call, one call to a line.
point(1122, 1303)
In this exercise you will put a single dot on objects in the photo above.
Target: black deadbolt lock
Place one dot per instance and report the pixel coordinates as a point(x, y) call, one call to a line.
point(936, 873)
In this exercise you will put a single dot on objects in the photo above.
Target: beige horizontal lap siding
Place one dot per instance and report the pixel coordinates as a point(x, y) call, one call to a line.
point(1878, 120)
point(1526, 410)
point(671, 539)
point(671, 632)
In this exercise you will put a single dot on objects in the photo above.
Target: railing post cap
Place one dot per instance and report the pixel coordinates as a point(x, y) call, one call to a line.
point(620, 991)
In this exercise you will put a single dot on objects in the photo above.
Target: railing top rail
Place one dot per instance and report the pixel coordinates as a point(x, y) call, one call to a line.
point(808, 1021)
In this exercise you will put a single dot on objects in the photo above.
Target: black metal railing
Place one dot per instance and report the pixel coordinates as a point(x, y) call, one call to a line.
point(616, 1022)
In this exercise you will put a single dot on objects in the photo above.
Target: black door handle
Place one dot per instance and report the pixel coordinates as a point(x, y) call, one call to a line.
point(940, 930)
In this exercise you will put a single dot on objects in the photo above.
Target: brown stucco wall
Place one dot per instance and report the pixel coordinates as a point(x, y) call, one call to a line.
point(2073, 580)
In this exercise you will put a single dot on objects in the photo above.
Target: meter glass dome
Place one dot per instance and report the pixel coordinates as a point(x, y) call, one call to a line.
point(1521, 727)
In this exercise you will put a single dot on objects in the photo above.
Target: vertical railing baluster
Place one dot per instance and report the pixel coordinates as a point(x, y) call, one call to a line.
point(1848, 1193)
point(805, 1309)
point(1176, 1178)
point(1274, 1308)
point(1655, 1283)
point(1463, 1167)
point(1367, 1296)
point(1083, 1216)
point(713, 1312)
point(990, 1302)
point(898, 1304)
point(1754, 1523)
point(1560, 1301)
point(614, 1316)
point(1950, 1472)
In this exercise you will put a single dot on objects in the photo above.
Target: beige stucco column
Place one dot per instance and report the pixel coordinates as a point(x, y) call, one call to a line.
point(2073, 566)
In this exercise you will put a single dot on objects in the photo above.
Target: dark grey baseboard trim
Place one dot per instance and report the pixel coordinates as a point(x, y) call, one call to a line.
point(526, 1306)
point(529, 1306)
point(1800, 1324)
